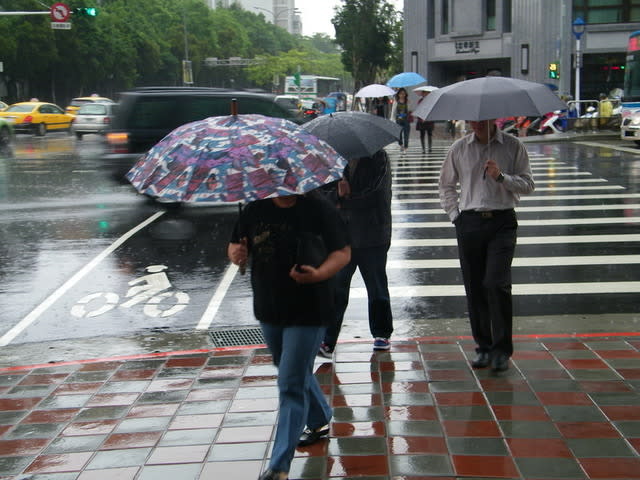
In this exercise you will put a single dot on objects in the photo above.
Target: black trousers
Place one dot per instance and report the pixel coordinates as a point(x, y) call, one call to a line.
point(486, 244)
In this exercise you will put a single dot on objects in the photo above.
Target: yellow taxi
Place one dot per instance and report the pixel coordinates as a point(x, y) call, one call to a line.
point(77, 102)
point(37, 117)
point(3, 105)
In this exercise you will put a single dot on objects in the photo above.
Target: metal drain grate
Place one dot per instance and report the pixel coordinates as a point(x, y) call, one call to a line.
point(236, 337)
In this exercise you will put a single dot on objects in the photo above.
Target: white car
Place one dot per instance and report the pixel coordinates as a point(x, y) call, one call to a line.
point(93, 118)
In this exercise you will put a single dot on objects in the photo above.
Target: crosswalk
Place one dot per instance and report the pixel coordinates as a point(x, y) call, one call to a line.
point(577, 247)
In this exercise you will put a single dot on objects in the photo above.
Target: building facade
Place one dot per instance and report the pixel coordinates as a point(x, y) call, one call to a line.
point(279, 12)
point(451, 40)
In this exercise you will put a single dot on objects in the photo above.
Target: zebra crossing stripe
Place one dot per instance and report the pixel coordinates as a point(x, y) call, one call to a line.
point(541, 222)
point(541, 208)
point(534, 198)
point(522, 240)
point(523, 261)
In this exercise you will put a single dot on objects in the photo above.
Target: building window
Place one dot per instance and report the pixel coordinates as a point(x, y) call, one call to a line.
point(607, 11)
point(490, 9)
point(445, 17)
point(506, 16)
point(431, 19)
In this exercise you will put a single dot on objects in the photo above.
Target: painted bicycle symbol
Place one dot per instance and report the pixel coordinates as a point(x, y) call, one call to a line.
point(150, 290)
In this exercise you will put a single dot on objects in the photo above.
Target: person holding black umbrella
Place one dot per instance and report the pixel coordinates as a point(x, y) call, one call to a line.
point(492, 169)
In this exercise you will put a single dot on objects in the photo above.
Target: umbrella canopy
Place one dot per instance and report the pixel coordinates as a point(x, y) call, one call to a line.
point(354, 134)
point(405, 79)
point(375, 90)
point(425, 88)
point(236, 158)
point(488, 98)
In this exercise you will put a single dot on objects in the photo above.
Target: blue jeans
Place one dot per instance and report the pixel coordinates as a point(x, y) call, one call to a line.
point(403, 141)
point(301, 400)
point(372, 262)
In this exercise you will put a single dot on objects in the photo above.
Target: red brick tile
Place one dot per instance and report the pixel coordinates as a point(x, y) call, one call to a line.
point(471, 428)
point(259, 381)
point(443, 356)
point(64, 462)
point(547, 374)
point(504, 385)
point(399, 366)
point(635, 443)
point(621, 412)
point(5, 428)
point(131, 440)
point(484, 466)
point(618, 353)
point(100, 366)
point(121, 375)
point(358, 429)
point(587, 430)
point(14, 404)
point(417, 445)
point(415, 412)
point(358, 466)
point(564, 398)
point(629, 373)
point(51, 416)
point(20, 447)
point(581, 363)
point(611, 468)
point(539, 447)
point(565, 345)
point(460, 398)
point(520, 412)
point(187, 361)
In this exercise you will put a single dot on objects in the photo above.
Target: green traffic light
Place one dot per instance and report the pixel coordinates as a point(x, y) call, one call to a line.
point(86, 11)
point(91, 11)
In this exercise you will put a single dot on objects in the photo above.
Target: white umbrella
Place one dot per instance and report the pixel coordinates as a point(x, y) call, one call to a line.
point(375, 90)
point(425, 88)
point(489, 98)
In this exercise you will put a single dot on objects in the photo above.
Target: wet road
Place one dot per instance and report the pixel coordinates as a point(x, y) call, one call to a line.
point(83, 256)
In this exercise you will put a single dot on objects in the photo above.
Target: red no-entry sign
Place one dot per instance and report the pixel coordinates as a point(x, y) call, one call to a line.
point(60, 12)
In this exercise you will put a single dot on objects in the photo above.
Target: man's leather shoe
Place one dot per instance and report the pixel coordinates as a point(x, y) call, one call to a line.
point(270, 475)
point(500, 362)
point(309, 437)
point(482, 360)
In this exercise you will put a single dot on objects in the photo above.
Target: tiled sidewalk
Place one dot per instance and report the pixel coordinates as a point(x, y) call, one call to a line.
point(568, 408)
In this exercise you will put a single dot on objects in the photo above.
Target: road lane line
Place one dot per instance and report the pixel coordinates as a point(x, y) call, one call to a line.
point(218, 297)
point(64, 288)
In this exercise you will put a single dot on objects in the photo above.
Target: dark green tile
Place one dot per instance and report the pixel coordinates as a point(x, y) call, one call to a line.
point(439, 347)
point(629, 428)
point(554, 385)
point(454, 386)
point(12, 417)
point(420, 465)
point(573, 354)
point(199, 408)
point(26, 391)
point(34, 430)
point(599, 447)
point(538, 364)
point(358, 414)
point(225, 452)
point(447, 365)
point(134, 386)
point(81, 377)
point(150, 424)
point(476, 446)
point(14, 465)
point(50, 476)
point(356, 388)
point(142, 364)
point(130, 457)
point(623, 362)
point(512, 398)
point(101, 413)
point(616, 398)
point(403, 376)
point(172, 396)
point(179, 372)
point(357, 446)
point(308, 467)
point(257, 392)
point(82, 443)
point(549, 468)
point(396, 399)
point(225, 360)
point(8, 380)
point(529, 429)
point(415, 427)
point(575, 413)
point(249, 419)
point(609, 345)
point(594, 374)
point(64, 401)
point(220, 382)
point(472, 412)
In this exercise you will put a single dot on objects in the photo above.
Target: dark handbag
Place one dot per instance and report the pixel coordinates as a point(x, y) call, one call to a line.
point(311, 249)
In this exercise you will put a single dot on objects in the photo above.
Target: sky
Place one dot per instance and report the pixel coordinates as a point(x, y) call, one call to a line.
point(317, 14)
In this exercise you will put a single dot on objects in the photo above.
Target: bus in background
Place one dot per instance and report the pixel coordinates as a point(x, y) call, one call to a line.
point(311, 86)
point(630, 112)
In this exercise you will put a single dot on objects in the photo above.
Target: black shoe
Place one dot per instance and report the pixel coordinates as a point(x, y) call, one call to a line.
point(482, 360)
point(309, 437)
point(500, 362)
point(270, 475)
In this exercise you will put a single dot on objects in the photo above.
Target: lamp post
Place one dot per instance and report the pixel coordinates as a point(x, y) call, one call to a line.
point(578, 27)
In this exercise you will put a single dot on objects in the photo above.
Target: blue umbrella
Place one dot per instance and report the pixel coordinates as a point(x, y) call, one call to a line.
point(406, 79)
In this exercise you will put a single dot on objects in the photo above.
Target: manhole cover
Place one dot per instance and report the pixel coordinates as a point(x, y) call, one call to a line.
point(237, 336)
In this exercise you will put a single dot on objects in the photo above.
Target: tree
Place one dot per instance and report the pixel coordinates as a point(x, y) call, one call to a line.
point(364, 30)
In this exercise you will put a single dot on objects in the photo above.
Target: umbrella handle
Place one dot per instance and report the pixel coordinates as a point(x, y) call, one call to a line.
point(234, 112)
point(242, 268)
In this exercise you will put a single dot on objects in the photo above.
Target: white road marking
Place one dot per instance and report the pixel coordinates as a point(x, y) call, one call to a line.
point(541, 208)
point(536, 198)
point(542, 222)
point(522, 240)
point(217, 298)
point(524, 262)
point(64, 288)
point(633, 150)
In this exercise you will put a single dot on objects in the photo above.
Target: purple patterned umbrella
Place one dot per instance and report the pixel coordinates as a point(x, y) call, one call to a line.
point(238, 158)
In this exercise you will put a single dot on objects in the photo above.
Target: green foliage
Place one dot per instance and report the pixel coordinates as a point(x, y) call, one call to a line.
point(365, 31)
point(143, 42)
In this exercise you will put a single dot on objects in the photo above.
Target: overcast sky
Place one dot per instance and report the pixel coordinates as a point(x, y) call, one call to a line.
point(316, 15)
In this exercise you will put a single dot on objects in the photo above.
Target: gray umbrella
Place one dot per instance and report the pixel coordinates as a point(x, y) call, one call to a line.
point(354, 134)
point(488, 98)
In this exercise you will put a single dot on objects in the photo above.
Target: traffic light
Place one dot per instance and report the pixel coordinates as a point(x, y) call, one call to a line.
point(86, 11)
point(554, 71)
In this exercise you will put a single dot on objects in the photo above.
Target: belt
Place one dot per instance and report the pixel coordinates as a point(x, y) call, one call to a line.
point(488, 213)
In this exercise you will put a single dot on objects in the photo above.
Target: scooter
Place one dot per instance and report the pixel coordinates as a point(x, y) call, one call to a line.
point(552, 122)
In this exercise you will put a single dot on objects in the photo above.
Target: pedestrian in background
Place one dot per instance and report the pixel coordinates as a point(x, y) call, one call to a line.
point(492, 169)
point(424, 126)
point(364, 201)
point(401, 114)
point(293, 304)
